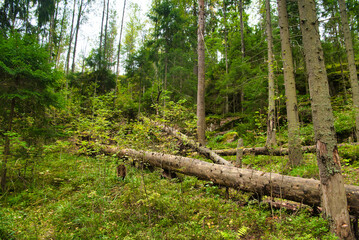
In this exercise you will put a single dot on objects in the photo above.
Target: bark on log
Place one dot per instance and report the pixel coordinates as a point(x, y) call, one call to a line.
point(267, 151)
point(297, 189)
point(194, 145)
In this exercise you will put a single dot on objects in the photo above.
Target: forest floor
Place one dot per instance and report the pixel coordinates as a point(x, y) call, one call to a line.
point(69, 195)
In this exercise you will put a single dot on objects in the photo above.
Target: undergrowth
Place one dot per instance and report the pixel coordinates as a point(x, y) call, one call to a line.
point(79, 197)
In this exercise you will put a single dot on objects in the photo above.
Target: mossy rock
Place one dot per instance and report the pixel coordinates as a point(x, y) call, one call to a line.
point(230, 137)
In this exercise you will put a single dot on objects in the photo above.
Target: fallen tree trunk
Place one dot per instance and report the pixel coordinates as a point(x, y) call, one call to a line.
point(297, 189)
point(267, 151)
point(194, 145)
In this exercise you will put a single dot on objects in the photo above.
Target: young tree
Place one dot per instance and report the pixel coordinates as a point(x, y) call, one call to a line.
point(334, 200)
point(271, 139)
point(201, 115)
point(26, 84)
point(295, 152)
point(351, 63)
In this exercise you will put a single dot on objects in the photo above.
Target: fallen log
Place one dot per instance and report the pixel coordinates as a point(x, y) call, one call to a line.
point(194, 145)
point(267, 151)
point(297, 189)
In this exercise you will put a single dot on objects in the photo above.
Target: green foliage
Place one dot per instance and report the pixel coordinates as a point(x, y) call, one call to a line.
point(81, 197)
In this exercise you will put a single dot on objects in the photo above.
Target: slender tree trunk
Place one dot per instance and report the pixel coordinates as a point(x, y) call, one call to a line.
point(334, 199)
point(271, 138)
point(70, 42)
point(119, 43)
point(241, 93)
point(351, 64)
point(101, 34)
point(76, 35)
point(106, 27)
point(295, 152)
point(201, 115)
point(226, 107)
point(242, 27)
point(58, 52)
point(7, 147)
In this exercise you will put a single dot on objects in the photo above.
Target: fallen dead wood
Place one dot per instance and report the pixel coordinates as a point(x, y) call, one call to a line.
point(194, 145)
point(302, 190)
point(267, 151)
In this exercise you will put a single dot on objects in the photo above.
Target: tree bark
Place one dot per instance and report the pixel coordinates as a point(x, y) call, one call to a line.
point(334, 201)
point(351, 63)
point(295, 152)
point(296, 189)
point(201, 115)
point(271, 138)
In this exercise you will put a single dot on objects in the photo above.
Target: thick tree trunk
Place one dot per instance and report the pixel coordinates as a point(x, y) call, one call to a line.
point(201, 115)
point(334, 200)
point(295, 152)
point(271, 139)
point(297, 189)
point(351, 63)
point(76, 36)
point(192, 144)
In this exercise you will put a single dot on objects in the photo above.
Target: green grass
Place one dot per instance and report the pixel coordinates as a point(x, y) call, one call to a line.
point(78, 197)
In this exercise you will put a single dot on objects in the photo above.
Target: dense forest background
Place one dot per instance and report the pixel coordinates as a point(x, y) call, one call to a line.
point(60, 106)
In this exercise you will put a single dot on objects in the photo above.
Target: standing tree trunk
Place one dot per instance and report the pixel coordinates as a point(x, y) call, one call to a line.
point(58, 52)
point(70, 41)
point(119, 43)
point(226, 107)
point(334, 200)
point(101, 34)
point(271, 139)
point(76, 35)
point(106, 27)
point(351, 64)
point(295, 152)
point(201, 115)
point(242, 48)
point(242, 26)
